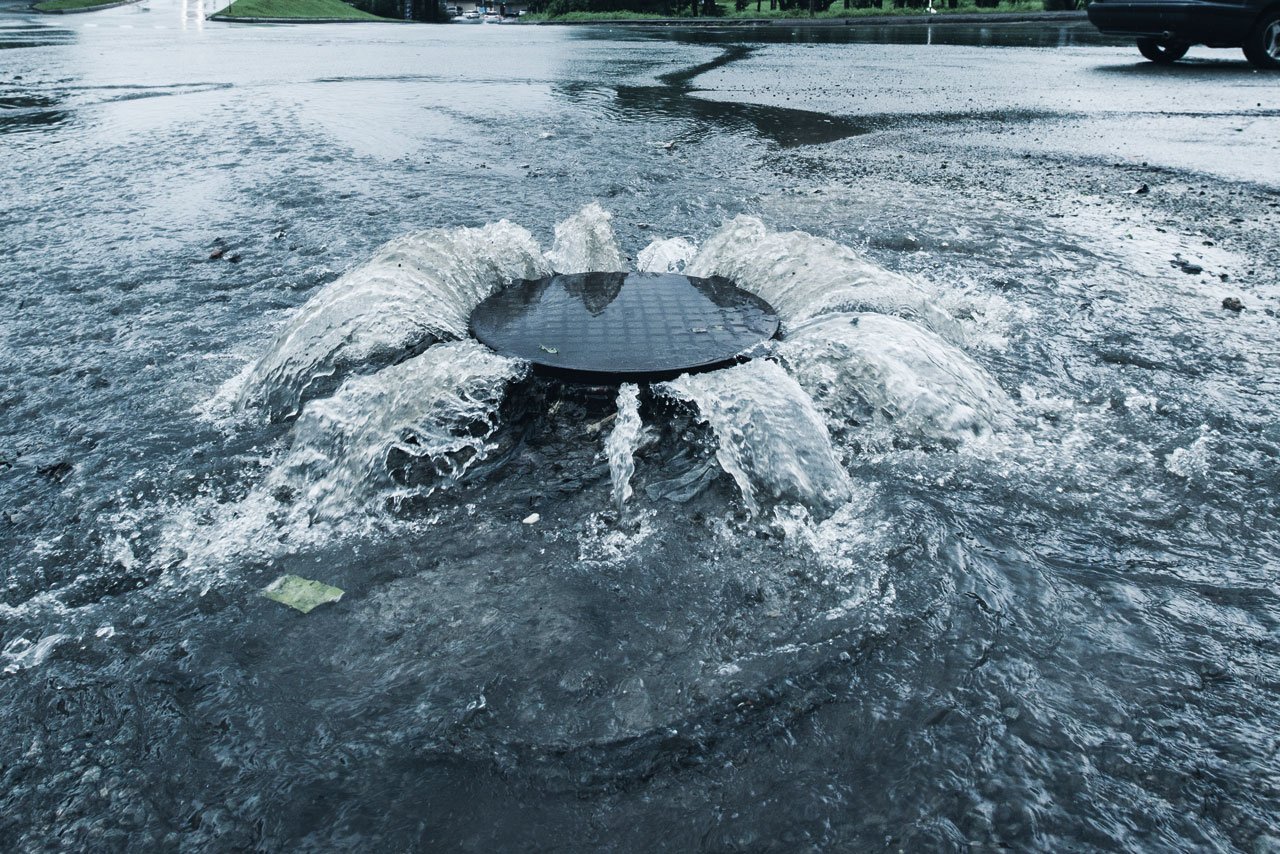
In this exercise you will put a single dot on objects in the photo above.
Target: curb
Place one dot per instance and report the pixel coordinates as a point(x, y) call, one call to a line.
point(872, 20)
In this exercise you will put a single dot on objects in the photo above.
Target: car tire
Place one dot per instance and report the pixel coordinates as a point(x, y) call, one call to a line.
point(1262, 45)
point(1162, 52)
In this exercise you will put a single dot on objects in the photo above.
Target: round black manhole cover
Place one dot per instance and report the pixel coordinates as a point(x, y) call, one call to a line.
point(613, 327)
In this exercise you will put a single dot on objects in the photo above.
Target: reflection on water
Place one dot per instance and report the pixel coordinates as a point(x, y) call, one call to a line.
point(22, 113)
point(787, 127)
point(26, 35)
point(675, 99)
point(192, 14)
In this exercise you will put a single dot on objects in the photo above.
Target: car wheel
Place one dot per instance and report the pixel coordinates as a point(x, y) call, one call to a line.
point(1262, 45)
point(1163, 52)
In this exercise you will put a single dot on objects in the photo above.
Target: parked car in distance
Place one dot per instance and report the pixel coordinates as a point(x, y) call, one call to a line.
point(1165, 29)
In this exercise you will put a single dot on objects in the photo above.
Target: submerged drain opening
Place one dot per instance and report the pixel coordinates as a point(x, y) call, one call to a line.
point(624, 327)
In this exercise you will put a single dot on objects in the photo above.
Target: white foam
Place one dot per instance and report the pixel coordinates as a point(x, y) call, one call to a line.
point(1195, 460)
point(21, 654)
point(889, 371)
point(432, 417)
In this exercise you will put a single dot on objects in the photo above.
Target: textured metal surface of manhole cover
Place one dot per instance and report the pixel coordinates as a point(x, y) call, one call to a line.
point(623, 326)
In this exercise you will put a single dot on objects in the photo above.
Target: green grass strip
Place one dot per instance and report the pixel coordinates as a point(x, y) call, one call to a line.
point(324, 9)
point(60, 5)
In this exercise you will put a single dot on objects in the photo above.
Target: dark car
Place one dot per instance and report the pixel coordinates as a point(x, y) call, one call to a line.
point(1165, 29)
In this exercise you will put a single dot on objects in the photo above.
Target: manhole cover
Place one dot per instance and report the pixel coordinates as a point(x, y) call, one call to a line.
point(614, 327)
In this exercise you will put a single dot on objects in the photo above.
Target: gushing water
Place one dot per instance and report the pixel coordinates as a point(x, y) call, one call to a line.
point(803, 276)
point(409, 428)
point(874, 369)
point(666, 256)
point(585, 243)
point(772, 441)
point(622, 443)
point(425, 420)
point(416, 290)
point(404, 432)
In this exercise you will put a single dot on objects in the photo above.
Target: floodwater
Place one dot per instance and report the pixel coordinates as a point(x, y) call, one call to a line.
point(980, 553)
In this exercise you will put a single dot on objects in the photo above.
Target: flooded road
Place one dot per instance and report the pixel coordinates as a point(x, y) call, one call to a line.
point(981, 553)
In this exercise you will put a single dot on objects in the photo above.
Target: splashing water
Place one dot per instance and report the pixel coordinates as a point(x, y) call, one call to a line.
point(410, 428)
point(425, 420)
point(771, 438)
point(397, 433)
point(416, 290)
point(406, 431)
point(802, 276)
point(623, 441)
point(864, 368)
point(21, 654)
point(585, 243)
point(422, 422)
point(666, 256)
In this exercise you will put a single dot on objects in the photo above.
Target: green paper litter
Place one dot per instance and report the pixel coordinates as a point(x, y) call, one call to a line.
point(301, 593)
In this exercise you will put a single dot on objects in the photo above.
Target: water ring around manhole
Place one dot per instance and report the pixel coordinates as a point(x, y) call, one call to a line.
point(623, 327)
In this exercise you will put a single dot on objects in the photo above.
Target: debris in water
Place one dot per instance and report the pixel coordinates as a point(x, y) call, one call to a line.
point(217, 253)
point(474, 708)
point(1141, 191)
point(302, 594)
point(597, 426)
point(551, 350)
point(1233, 304)
point(1186, 266)
point(531, 519)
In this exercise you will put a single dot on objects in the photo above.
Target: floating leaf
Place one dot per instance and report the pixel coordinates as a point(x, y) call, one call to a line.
point(301, 593)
